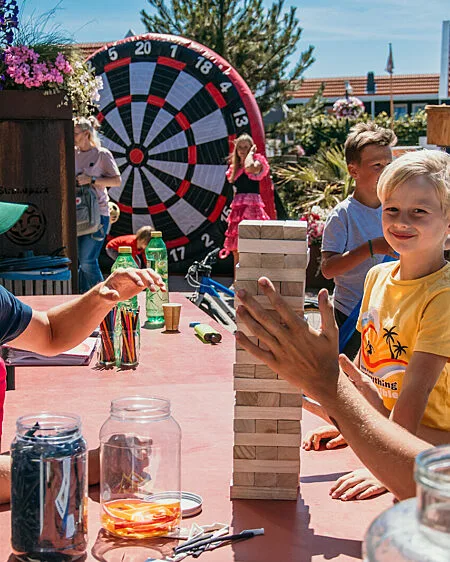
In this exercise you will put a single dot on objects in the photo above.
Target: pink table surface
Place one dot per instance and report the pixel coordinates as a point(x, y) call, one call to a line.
point(197, 378)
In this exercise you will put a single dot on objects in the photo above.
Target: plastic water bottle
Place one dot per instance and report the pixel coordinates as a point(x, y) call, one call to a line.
point(124, 259)
point(156, 255)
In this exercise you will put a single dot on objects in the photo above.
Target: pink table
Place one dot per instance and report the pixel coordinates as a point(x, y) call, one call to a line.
point(197, 378)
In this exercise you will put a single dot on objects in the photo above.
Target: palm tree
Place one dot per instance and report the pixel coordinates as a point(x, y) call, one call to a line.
point(399, 349)
point(389, 337)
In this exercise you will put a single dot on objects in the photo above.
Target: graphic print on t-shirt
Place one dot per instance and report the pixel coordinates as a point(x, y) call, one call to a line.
point(382, 356)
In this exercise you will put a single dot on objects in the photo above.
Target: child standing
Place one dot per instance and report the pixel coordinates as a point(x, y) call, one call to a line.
point(246, 170)
point(352, 240)
point(137, 242)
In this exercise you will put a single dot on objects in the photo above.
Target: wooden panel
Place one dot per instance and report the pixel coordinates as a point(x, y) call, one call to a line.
point(246, 426)
point(253, 339)
point(272, 246)
point(270, 399)
point(249, 229)
point(295, 230)
point(266, 426)
point(287, 480)
point(276, 285)
point(251, 287)
point(279, 467)
point(263, 372)
point(267, 453)
point(244, 452)
point(247, 358)
point(296, 261)
point(245, 478)
point(286, 453)
point(262, 493)
point(265, 479)
point(273, 274)
point(266, 385)
point(291, 400)
point(272, 230)
point(267, 439)
point(272, 261)
point(288, 426)
point(246, 398)
point(292, 289)
point(245, 372)
point(296, 303)
point(262, 413)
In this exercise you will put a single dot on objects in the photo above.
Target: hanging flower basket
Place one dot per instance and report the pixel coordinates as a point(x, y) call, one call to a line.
point(348, 108)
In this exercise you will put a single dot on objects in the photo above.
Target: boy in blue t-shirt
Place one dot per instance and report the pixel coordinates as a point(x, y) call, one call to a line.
point(353, 239)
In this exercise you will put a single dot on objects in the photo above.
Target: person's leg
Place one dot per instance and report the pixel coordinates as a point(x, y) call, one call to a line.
point(354, 343)
point(89, 247)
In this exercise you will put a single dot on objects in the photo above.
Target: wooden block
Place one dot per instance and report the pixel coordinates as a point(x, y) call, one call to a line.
point(254, 465)
point(286, 453)
point(262, 345)
point(253, 339)
point(272, 246)
point(276, 284)
point(242, 327)
point(286, 480)
point(288, 426)
point(270, 399)
point(251, 287)
point(265, 479)
point(247, 358)
point(245, 478)
point(291, 400)
point(292, 289)
point(296, 303)
point(268, 453)
point(272, 261)
point(246, 398)
point(267, 439)
point(248, 273)
point(266, 385)
point(272, 230)
point(266, 413)
point(245, 426)
point(295, 230)
point(263, 372)
point(295, 261)
point(249, 259)
point(262, 493)
point(244, 452)
point(245, 372)
point(266, 426)
point(250, 229)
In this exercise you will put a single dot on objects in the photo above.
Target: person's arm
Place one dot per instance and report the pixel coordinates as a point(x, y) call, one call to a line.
point(421, 375)
point(334, 264)
point(309, 359)
point(100, 182)
point(65, 326)
point(251, 165)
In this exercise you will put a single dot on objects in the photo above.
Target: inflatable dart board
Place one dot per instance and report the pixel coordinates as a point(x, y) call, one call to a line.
point(169, 111)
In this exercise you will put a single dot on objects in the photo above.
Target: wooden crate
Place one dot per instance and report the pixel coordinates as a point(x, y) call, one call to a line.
point(438, 124)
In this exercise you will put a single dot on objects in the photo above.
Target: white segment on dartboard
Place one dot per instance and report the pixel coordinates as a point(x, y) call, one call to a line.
point(176, 169)
point(137, 117)
point(139, 199)
point(115, 121)
point(173, 143)
point(138, 221)
point(116, 192)
point(209, 128)
point(186, 217)
point(141, 76)
point(106, 96)
point(111, 145)
point(162, 119)
point(209, 176)
point(183, 89)
point(160, 188)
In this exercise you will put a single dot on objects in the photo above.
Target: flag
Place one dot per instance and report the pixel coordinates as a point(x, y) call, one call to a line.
point(390, 61)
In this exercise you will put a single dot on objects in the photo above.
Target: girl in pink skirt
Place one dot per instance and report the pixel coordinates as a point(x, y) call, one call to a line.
point(246, 170)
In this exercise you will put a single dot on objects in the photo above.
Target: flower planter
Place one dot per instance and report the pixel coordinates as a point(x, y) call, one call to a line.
point(314, 277)
point(37, 167)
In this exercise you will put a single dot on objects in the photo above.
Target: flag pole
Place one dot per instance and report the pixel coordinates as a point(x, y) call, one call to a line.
point(391, 92)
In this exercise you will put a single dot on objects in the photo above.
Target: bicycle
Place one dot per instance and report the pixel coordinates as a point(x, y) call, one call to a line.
point(311, 312)
point(207, 294)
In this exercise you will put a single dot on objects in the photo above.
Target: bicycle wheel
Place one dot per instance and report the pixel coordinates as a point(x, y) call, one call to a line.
point(312, 314)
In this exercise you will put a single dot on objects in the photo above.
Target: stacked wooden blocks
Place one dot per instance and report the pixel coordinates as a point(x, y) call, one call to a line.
point(266, 457)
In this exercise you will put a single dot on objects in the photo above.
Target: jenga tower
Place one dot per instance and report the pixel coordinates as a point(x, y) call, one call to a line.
point(268, 410)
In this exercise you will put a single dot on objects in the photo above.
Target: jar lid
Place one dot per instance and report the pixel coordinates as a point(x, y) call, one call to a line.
point(191, 504)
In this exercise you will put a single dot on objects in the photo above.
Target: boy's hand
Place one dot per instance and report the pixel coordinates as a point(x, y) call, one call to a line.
point(123, 284)
point(359, 485)
point(380, 246)
point(363, 383)
point(314, 437)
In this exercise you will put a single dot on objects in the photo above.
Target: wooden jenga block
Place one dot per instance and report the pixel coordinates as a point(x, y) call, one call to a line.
point(272, 261)
point(266, 426)
point(250, 229)
point(266, 385)
point(291, 400)
point(244, 479)
point(253, 339)
point(286, 453)
point(264, 479)
point(270, 399)
point(251, 287)
point(286, 480)
point(295, 230)
point(246, 358)
point(246, 398)
point(272, 246)
point(263, 372)
point(245, 372)
point(262, 493)
point(267, 413)
point(248, 273)
point(272, 230)
point(242, 327)
point(295, 261)
point(276, 285)
point(267, 453)
point(296, 303)
point(292, 289)
point(289, 426)
point(245, 426)
point(272, 439)
point(249, 260)
point(244, 452)
point(259, 465)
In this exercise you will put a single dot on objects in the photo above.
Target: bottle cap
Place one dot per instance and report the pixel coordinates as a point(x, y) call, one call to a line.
point(125, 250)
point(156, 234)
point(191, 504)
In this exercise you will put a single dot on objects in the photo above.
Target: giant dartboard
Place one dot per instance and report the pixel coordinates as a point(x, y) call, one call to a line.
point(169, 111)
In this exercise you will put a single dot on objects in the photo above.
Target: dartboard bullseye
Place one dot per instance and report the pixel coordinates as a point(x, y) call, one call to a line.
point(169, 110)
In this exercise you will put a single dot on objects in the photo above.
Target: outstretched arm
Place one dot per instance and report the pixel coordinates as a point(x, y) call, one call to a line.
point(309, 359)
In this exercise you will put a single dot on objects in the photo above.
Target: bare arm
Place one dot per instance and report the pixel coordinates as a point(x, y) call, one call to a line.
point(251, 165)
point(65, 326)
point(309, 359)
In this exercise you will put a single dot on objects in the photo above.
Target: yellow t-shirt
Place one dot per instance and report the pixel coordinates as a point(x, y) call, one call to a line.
point(398, 318)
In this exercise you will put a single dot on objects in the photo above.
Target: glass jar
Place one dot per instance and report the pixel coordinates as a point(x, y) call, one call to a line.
point(418, 529)
point(140, 482)
point(49, 488)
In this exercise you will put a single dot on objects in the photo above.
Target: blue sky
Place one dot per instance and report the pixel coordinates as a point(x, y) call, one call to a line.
point(350, 36)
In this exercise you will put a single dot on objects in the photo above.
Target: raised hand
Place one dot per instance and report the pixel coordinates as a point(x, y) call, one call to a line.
point(124, 284)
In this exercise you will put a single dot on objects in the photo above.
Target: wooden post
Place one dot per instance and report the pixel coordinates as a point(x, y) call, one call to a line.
point(391, 93)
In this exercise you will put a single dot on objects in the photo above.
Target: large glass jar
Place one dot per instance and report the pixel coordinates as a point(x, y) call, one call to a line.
point(49, 488)
point(140, 482)
point(418, 529)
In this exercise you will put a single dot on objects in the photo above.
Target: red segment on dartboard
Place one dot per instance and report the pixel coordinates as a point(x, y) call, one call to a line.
point(155, 100)
point(155, 209)
point(166, 61)
point(177, 242)
point(100, 117)
point(216, 95)
point(218, 208)
point(192, 155)
point(125, 208)
point(231, 139)
point(181, 119)
point(183, 189)
point(125, 100)
point(136, 156)
point(116, 64)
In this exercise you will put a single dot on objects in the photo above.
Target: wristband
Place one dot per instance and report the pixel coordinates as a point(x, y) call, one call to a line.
point(93, 180)
point(370, 248)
